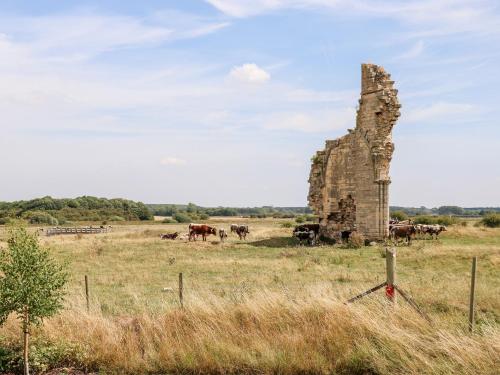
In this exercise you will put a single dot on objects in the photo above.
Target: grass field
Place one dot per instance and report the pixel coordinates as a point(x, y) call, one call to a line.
point(267, 305)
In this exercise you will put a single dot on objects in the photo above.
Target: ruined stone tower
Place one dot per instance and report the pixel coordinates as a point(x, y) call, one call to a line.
point(349, 180)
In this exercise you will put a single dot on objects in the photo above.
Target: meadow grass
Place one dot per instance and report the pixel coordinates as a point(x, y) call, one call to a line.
point(267, 305)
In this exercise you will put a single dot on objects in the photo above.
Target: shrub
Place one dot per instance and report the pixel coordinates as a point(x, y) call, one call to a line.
point(300, 219)
point(182, 217)
point(204, 216)
point(491, 220)
point(287, 224)
point(168, 220)
point(447, 220)
point(443, 220)
point(4, 220)
point(39, 217)
point(399, 215)
point(310, 218)
point(116, 218)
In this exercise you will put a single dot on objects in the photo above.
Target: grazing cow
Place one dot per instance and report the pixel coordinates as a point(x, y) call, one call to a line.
point(222, 234)
point(307, 235)
point(307, 227)
point(403, 231)
point(197, 229)
point(234, 227)
point(169, 236)
point(242, 231)
point(434, 230)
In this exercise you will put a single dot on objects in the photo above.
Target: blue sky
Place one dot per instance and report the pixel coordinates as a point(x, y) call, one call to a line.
point(223, 102)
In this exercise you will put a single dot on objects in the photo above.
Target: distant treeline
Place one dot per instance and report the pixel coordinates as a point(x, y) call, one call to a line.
point(290, 212)
point(253, 212)
point(445, 210)
point(48, 210)
point(52, 211)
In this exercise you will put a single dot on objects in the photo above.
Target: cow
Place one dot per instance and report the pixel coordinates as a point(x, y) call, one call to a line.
point(197, 229)
point(434, 230)
point(233, 228)
point(222, 234)
point(307, 227)
point(242, 231)
point(403, 231)
point(307, 235)
point(169, 236)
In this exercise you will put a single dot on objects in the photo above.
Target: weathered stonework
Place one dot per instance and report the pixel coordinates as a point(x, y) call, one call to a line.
point(349, 180)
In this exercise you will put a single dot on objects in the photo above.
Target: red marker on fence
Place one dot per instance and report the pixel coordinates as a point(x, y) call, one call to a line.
point(389, 292)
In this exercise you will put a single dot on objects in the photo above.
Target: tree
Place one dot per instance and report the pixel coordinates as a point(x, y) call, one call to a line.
point(399, 215)
point(450, 210)
point(31, 285)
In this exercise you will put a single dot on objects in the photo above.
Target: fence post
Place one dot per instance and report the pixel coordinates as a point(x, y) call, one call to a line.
point(472, 294)
point(390, 261)
point(87, 292)
point(181, 287)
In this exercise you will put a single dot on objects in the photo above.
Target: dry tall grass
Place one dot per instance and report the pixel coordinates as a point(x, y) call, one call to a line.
point(273, 333)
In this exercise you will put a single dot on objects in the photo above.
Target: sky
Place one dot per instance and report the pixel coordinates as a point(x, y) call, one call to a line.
point(224, 102)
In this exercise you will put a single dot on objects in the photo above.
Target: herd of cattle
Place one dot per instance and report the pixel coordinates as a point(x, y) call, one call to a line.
point(407, 230)
point(203, 230)
point(309, 233)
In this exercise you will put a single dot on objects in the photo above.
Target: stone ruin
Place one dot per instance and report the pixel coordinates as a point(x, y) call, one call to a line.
point(349, 180)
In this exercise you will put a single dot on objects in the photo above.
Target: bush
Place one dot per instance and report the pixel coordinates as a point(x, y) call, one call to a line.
point(287, 224)
point(442, 220)
point(182, 217)
point(204, 216)
point(491, 220)
point(116, 218)
point(4, 220)
point(39, 217)
point(310, 218)
point(300, 219)
point(168, 220)
point(399, 215)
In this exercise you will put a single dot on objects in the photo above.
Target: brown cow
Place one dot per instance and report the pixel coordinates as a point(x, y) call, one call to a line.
point(403, 231)
point(197, 229)
point(169, 236)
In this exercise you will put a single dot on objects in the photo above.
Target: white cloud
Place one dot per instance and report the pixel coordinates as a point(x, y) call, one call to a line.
point(245, 8)
point(249, 73)
point(73, 37)
point(172, 161)
point(432, 17)
point(312, 122)
point(442, 111)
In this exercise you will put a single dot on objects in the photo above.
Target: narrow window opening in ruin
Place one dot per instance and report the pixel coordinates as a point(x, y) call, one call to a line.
point(345, 235)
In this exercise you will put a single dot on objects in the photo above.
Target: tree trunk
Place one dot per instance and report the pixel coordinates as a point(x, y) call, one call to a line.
point(26, 343)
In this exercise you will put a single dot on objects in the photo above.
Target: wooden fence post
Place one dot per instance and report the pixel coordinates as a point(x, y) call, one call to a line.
point(87, 292)
point(181, 287)
point(390, 261)
point(472, 294)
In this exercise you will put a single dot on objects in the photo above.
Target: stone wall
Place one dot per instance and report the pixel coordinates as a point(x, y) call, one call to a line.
point(349, 180)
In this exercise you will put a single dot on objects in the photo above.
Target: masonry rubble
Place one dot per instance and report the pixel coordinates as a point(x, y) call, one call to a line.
point(349, 179)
